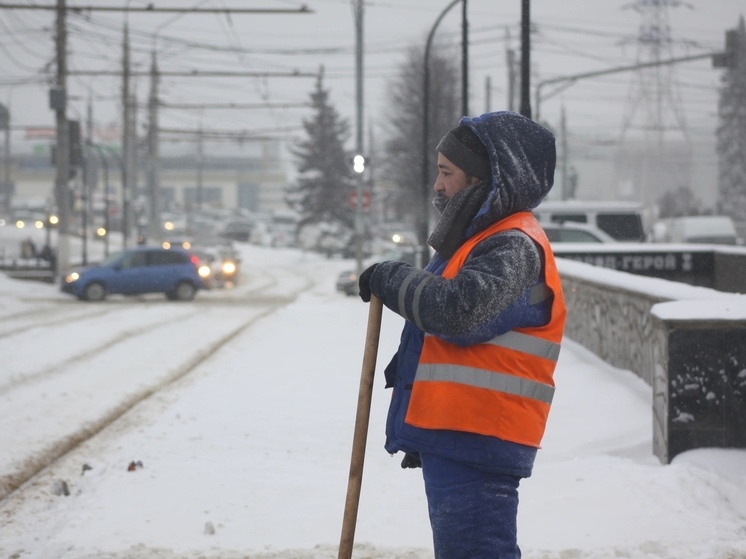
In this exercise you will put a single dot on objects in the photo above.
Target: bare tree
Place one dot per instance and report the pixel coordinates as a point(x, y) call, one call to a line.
point(403, 125)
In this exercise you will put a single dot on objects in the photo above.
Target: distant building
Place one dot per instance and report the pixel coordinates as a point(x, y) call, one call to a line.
point(254, 183)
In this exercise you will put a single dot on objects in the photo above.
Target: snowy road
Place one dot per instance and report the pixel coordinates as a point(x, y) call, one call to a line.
point(241, 405)
point(120, 351)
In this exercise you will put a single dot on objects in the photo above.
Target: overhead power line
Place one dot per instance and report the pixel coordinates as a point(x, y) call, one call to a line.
point(198, 73)
point(234, 105)
point(152, 9)
point(187, 134)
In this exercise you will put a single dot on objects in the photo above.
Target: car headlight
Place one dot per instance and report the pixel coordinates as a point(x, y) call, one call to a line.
point(74, 276)
point(203, 271)
point(229, 268)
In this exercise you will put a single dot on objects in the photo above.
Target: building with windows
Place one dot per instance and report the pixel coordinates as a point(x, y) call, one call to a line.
point(253, 183)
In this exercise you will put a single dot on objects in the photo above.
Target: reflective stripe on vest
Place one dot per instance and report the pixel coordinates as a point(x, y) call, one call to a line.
point(479, 378)
point(501, 388)
point(528, 344)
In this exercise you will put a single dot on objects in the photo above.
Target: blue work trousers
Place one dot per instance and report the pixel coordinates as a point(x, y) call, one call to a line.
point(473, 513)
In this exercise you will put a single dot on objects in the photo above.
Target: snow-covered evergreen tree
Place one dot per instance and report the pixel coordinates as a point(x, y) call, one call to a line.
point(321, 192)
point(731, 132)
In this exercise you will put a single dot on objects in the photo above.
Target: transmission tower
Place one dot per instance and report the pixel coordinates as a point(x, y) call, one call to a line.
point(654, 129)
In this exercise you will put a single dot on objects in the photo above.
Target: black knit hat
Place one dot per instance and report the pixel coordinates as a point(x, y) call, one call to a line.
point(464, 149)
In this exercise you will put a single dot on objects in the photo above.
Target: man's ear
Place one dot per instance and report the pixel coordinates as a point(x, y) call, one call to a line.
point(473, 180)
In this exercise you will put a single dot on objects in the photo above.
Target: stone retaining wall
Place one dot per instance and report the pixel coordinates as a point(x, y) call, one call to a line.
point(699, 398)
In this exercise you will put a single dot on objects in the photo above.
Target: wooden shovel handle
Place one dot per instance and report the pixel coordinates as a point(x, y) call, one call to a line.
point(360, 436)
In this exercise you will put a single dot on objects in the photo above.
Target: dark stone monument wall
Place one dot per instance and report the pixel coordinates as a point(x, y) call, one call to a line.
point(699, 385)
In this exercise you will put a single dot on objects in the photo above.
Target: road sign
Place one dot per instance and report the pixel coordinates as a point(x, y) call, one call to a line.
point(353, 199)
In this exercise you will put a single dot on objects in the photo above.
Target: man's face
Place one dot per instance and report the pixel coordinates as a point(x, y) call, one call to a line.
point(451, 179)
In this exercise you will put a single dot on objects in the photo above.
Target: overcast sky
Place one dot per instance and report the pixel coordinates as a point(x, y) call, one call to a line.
point(571, 37)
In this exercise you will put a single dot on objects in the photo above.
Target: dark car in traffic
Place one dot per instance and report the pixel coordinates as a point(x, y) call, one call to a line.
point(218, 266)
point(136, 271)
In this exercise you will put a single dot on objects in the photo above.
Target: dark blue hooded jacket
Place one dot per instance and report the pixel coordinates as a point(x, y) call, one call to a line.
point(489, 296)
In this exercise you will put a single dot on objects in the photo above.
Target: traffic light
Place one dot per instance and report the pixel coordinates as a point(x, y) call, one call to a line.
point(4, 117)
point(728, 58)
point(76, 152)
point(358, 163)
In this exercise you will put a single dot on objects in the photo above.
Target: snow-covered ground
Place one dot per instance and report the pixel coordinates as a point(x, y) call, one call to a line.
point(245, 447)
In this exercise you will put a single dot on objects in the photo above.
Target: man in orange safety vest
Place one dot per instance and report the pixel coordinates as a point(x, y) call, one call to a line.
point(473, 376)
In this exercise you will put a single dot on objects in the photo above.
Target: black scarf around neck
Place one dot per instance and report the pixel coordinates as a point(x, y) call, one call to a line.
point(457, 215)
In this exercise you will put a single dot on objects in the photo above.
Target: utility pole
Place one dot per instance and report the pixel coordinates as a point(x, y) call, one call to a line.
point(132, 161)
point(510, 62)
point(89, 181)
point(7, 188)
point(563, 161)
point(154, 187)
point(58, 102)
point(526, 58)
point(200, 170)
point(127, 143)
point(464, 61)
point(487, 94)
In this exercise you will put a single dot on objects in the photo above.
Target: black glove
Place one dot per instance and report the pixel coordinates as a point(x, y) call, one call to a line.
point(364, 283)
point(411, 460)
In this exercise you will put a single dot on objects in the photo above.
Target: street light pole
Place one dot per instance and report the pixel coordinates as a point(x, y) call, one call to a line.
point(423, 227)
point(564, 82)
point(107, 229)
point(359, 133)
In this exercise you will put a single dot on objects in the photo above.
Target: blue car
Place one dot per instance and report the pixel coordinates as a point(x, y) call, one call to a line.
point(137, 271)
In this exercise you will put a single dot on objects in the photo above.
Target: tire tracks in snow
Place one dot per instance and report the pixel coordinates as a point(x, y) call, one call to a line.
point(13, 482)
point(46, 322)
point(118, 337)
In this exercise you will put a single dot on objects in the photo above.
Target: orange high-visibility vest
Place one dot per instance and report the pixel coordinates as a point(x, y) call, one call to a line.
point(503, 387)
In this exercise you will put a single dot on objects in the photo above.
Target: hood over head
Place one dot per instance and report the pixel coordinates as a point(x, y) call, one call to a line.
point(522, 156)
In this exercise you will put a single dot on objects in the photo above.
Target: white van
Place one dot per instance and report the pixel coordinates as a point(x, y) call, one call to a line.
point(625, 221)
point(708, 229)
